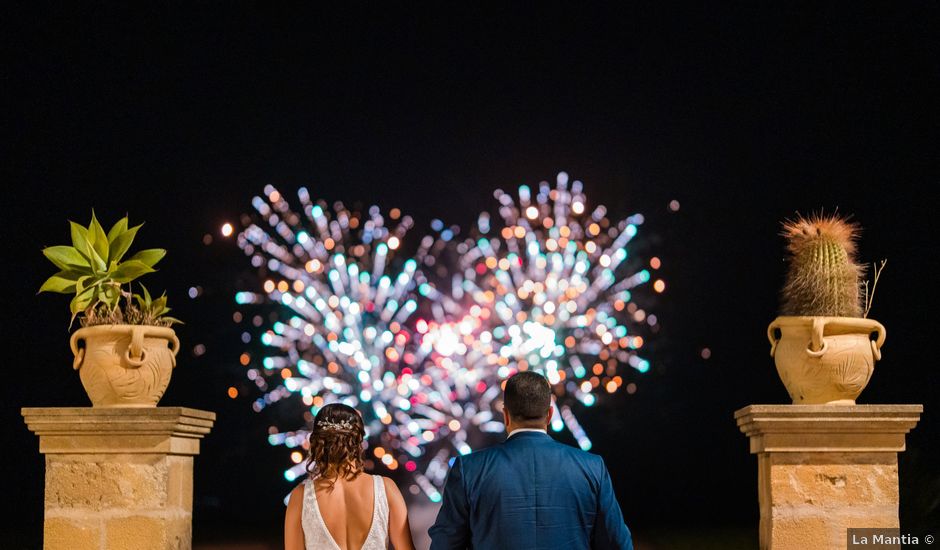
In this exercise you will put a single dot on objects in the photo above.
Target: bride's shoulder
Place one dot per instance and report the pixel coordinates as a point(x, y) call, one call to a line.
point(295, 498)
point(298, 491)
point(386, 480)
point(390, 486)
point(396, 502)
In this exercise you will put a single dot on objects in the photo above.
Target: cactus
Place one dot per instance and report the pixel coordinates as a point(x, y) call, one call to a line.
point(823, 278)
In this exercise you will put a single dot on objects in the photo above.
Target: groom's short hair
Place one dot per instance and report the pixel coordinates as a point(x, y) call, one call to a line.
point(527, 397)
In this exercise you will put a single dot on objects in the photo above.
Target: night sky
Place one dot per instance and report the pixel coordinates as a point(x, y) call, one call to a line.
point(744, 113)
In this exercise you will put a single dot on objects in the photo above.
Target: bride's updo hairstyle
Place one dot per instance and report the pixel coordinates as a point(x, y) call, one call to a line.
point(336, 444)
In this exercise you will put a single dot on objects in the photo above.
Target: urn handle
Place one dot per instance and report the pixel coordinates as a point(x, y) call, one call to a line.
point(174, 344)
point(772, 329)
point(78, 352)
point(861, 324)
point(817, 344)
point(136, 354)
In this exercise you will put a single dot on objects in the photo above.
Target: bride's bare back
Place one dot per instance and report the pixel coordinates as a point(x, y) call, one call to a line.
point(341, 506)
point(347, 510)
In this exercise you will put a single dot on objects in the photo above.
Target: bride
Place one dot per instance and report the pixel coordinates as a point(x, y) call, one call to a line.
point(339, 507)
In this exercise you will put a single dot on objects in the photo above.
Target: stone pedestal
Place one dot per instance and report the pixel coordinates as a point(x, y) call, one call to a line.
point(118, 478)
point(825, 468)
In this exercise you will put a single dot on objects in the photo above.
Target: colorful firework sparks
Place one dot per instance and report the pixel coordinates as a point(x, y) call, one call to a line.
point(549, 290)
point(421, 347)
point(342, 330)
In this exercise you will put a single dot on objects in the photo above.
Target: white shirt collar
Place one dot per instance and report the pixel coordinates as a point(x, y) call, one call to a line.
point(520, 430)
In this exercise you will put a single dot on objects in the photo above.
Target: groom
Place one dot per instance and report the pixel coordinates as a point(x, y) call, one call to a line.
point(530, 492)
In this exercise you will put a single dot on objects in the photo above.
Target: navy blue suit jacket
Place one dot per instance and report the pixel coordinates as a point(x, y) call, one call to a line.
point(530, 492)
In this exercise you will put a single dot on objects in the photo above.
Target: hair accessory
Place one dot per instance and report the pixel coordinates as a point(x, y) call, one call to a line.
point(342, 425)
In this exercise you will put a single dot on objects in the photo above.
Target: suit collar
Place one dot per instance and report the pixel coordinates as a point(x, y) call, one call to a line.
point(518, 431)
point(527, 436)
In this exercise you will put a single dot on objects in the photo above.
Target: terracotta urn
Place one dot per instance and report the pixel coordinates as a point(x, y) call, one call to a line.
point(125, 365)
point(825, 360)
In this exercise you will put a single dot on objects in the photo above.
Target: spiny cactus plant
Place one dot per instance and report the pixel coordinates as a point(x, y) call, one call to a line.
point(823, 278)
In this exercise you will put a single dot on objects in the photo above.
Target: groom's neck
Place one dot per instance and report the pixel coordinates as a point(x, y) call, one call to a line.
point(513, 426)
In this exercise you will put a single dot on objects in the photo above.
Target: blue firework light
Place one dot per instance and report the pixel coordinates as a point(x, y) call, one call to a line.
point(342, 330)
point(548, 286)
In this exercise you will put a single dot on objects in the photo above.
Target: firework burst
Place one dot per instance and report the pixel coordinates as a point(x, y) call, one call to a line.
point(342, 332)
point(421, 346)
point(547, 288)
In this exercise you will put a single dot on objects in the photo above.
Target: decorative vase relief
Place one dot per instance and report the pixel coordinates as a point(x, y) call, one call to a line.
point(125, 365)
point(825, 360)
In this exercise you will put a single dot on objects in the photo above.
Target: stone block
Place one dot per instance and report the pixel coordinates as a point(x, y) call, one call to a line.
point(801, 533)
point(108, 481)
point(76, 430)
point(72, 534)
point(834, 485)
point(179, 484)
point(137, 533)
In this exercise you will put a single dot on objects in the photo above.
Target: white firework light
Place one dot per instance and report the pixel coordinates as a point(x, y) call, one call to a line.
point(342, 334)
point(421, 347)
point(548, 290)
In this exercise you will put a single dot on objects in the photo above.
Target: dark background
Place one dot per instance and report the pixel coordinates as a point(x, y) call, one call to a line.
point(743, 112)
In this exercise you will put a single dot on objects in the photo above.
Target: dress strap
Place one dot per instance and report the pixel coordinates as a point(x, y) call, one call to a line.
point(316, 534)
point(310, 494)
point(380, 508)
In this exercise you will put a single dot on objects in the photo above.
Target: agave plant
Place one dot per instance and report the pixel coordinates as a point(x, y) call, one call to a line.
point(93, 270)
point(153, 312)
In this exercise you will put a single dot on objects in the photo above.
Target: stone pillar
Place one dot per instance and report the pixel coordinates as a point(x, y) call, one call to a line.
point(825, 468)
point(118, 478)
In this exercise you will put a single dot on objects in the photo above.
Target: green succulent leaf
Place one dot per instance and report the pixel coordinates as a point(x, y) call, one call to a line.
point(146, 293)
point(58, 284)
point(65, 257)
point(98, 264)
point(109, 295)
point(80, 285)
point(73, 275)
point(80, 239)
point(172, 320)
point(149, 257)
point(98, 238)
point(122, 242)
point(119, 227)
point(82, 301)
point(130, 270)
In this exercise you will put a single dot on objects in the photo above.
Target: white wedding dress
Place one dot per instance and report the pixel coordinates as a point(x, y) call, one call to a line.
point(317, 536)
